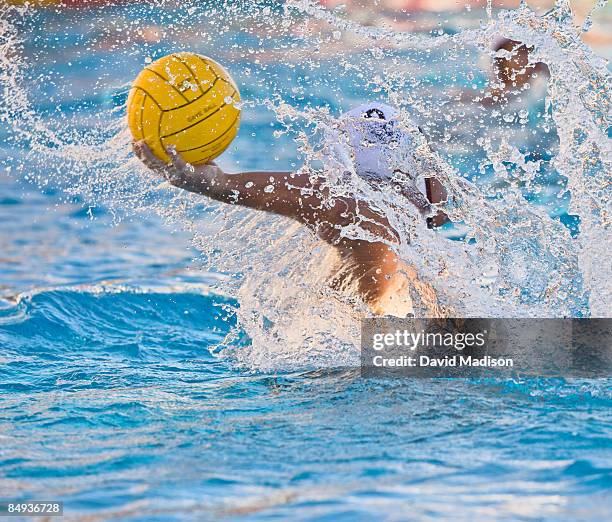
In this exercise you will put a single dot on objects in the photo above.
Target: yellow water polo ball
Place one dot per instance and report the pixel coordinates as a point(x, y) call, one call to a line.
point(187, 101)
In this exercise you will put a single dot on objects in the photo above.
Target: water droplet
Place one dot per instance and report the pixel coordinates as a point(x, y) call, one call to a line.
point(377, 53)
point(269, 188)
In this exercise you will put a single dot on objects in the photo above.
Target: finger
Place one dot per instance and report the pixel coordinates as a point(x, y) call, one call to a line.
point(176, 161)
point(151, 157)
point(138, 148)
point(151, 160)
point(143, 152)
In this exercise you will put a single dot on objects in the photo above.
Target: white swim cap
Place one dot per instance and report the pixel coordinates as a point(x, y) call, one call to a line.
point(373, 130)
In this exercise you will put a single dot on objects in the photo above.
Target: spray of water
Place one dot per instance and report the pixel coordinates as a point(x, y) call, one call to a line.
point(510, 256)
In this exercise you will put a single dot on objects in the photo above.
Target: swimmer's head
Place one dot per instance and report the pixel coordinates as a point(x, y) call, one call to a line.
point(373, 130)
point(515, 69)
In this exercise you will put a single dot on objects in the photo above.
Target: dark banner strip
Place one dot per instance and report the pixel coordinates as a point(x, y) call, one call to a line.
point(486, 347)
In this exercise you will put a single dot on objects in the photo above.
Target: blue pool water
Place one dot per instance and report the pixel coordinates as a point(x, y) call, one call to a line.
point(114, 399)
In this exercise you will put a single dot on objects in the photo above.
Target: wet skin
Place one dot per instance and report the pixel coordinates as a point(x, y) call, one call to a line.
point(373, 266)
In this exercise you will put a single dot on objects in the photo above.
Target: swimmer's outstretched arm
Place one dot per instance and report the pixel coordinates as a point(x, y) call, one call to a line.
point(289, 194)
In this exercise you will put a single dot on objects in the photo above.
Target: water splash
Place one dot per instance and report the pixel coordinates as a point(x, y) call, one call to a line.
point(510, 256)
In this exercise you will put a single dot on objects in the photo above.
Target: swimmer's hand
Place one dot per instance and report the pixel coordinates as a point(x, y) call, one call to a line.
point(178, 172)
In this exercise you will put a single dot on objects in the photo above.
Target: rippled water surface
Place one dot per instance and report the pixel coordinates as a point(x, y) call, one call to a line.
point(119, 394)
